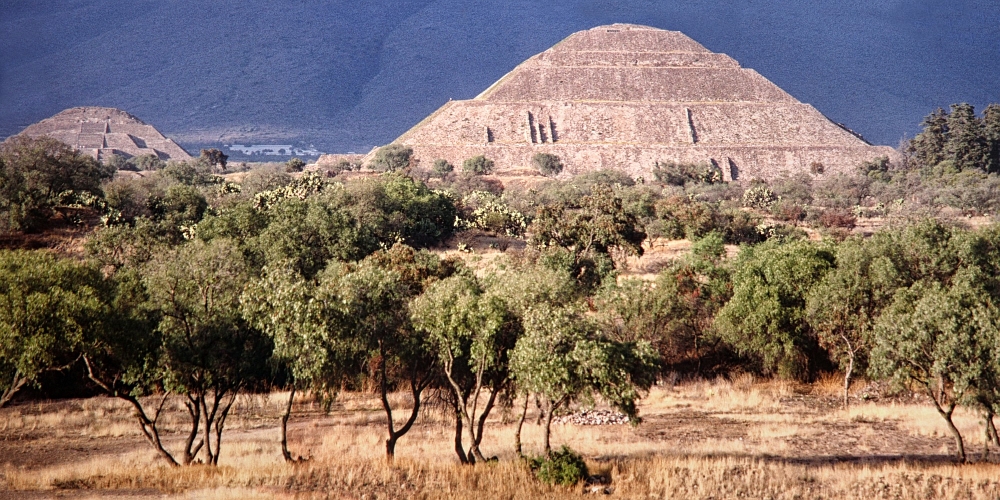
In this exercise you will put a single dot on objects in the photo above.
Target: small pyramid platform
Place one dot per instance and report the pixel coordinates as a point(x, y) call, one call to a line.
point(100, 132)
point(626, 97)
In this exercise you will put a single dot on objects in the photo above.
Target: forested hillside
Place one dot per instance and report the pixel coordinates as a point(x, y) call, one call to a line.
point(348, 76)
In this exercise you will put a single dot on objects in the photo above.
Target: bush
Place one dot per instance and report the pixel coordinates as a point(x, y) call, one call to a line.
point(391, 158)
point(488, 212)
point(759, 196)
point(442, 168)
point(35, 174)
point(837, 218)
point(466, 183)
point(477, 165)
point(563, 467)
point(548, 165)
point(788, 211)
point(679, 174)
point(294, 165)
point(146, 162)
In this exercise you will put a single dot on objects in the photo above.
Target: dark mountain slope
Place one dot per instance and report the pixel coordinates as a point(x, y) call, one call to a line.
point(349, 75)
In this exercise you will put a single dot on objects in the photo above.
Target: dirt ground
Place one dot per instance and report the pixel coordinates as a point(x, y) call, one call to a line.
point(92, 448)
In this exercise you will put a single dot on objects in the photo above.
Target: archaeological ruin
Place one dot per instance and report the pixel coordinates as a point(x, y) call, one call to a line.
point(100, 132)
point(628, 97)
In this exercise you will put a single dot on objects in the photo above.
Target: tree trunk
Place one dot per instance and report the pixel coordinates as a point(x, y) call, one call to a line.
point(190, 449)
point(520, 424)
point(847, 380)
point(284, 427)
point(959, 443)
point(149, 428)
point(147, 425)
point(987, 437)
point(15, 385)
point(417, 386)
point(459, 449)
point(992, 429)
point(220, 425)
point(477, 431)
point(390, 447)
point(541, 411)
point(548, 428)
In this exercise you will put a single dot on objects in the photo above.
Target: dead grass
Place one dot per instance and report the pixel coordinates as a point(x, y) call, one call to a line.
point(726, 438)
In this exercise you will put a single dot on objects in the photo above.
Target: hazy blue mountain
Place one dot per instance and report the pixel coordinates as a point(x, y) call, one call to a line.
point(346, 76)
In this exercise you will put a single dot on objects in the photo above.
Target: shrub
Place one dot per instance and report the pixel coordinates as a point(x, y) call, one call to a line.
point(488, 212)
point(837, 218)
point(759, 196)
point(146, 162)
point(563, 467)
point(391, 158)
point(34, 175)
point(442, 168)
point(788, 211)
point(466, 183)
point(548, 165)
point(294, 165)
point(478, 165)
point(877, 169)
point(680, 174)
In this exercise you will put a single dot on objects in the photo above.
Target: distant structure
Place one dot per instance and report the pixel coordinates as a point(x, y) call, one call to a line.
point(101, 132)
point(626, 97)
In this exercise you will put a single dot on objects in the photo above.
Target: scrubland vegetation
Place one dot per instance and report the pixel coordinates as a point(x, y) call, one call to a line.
point(221, 317)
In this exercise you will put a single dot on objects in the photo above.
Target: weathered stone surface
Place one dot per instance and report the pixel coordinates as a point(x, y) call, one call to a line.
point(626, 97)
point(100, 132)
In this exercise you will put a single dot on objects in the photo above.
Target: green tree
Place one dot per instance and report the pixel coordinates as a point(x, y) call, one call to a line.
point(307, 234)
point(675, 314)
point(201, 349)
point(927, 148)
point(843, 308)
point(47, 306)
point(146, 162)
point(966, 144)
point(561, 359)
point(214, 158)
point(933, 336)
point(371, 301)
point(395, 208)
point(766, 317)
point(392, 158)
point(548, 164)
point(181, 205)
point(118, 162)
point(991, 130)
point(442, 168)
point(590, 230)
point(193, 173)
point(471, 333)
point(295, 165)
point(488, 212)
point(36, 173)
point(299, 317)
point(478, 165)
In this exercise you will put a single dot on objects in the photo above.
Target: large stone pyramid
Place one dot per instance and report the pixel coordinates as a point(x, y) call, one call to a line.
point(100, 132)
point(627, 97)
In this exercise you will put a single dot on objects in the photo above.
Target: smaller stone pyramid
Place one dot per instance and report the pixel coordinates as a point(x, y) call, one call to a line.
point(627, 97)
point(101, 132)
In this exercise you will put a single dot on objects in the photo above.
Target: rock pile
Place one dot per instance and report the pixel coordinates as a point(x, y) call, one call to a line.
point(593, 417)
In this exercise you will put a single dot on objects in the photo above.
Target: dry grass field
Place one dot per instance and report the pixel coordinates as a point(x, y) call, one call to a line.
point(739, 438)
